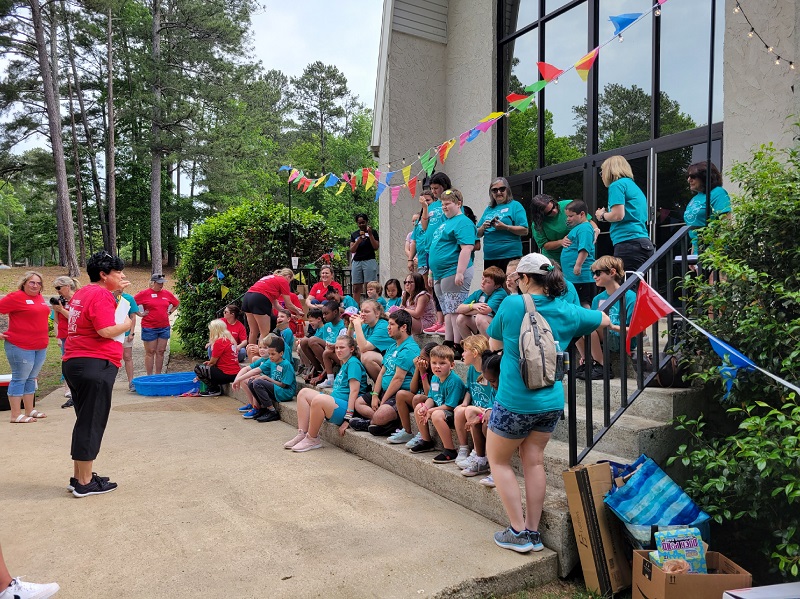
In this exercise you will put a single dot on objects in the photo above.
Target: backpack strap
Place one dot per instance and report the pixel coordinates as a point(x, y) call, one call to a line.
point(530, 306)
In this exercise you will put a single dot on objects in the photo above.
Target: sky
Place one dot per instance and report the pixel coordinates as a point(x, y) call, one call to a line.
point(288, 36)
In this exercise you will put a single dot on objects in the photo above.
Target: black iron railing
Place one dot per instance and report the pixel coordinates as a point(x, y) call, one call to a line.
point(309, 276)
point(665, 271)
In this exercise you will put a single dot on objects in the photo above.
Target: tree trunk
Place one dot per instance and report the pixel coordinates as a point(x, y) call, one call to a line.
point(155, 150)
point(67, 230)
point(98, 196)
point(78, 184)
point(111, 178)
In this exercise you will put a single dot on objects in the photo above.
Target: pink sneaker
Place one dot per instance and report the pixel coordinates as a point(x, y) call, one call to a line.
point(432, 330)
point(442, 329)
point(297, 438)
point(307, 444)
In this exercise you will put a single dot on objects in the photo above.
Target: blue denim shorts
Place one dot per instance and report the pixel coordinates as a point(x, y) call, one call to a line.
point(518, 426)
point(153, 334)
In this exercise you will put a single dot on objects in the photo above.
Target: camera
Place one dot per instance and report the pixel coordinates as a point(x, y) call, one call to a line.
point(58, 301)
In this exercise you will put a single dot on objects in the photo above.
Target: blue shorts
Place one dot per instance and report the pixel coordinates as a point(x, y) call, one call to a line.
point(511, 425)
point(337, 417)
point(153, 334)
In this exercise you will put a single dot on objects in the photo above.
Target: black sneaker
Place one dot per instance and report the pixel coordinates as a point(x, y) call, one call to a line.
point(268, 416)
point(96, 486)
point(423, 447)
point(597, 371)
point(359, 424)
point(68, 404)
point(580, 372)
point(74, 481)
point(382, 430)
point(447, 456)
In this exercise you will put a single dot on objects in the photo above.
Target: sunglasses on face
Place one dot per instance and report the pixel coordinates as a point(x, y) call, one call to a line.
point(498, 189)
point(599, 271)
point(692, 176)
point(408, 282)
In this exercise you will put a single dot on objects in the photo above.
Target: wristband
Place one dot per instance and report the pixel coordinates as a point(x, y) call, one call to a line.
point(423, 375)
point(374, 393)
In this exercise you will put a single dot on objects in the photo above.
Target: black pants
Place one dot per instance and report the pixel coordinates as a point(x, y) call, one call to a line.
point(213, 376)
point(91, 381)
point(263, 391)
point(634, 252)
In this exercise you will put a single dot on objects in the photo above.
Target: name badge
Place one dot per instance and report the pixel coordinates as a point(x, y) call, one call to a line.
point(482, 299)
point(153, 295)
point(435, 387)
point(394, 355)
point(504, 211)
point(279, 368)
point(29, 302)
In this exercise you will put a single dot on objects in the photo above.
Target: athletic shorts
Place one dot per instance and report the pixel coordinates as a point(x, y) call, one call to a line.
point(257, 303)
point(511, 425)
point(337, 417)
point(364, 271)
point(451, 296)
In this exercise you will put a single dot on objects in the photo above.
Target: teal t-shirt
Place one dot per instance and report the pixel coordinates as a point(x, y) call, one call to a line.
point(613, 314)
point(288, 338)
point(400, 356)
point(330, 331)
point(352, 369)
point(378, 335)
point(624, 191)
point(494, 300)
point(449, 392)
point(394, 301)
point(582, 238)
point(482, 394)
point(420, 237)
point(262, 365)
point(134, 309)
point(695, 213)
point(503, 244)
point(571, 295)
point(349, 302)
point(435, 218)
point(382, 301)
point(283, 372)
point(446, 245)
point(566, 321)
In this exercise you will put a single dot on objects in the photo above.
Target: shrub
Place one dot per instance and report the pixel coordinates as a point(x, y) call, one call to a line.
point(245, 243)
point(744, 472)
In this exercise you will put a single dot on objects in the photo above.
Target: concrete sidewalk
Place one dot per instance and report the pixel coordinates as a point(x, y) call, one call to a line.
point(211, 505)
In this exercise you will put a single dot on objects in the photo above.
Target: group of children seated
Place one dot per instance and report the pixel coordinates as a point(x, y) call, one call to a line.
point(348, 345)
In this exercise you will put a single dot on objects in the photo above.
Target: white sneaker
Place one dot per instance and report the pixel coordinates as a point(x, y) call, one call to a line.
point(476, 466)
point(417, 438)
point(464, 461)
point(326, 384)
point(463, 453)
point(29, 590)
point(68, 394)
point(488, 481)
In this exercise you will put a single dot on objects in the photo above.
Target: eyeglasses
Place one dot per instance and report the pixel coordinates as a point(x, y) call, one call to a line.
point(58, 287)
point(498, 189)
point(599, 271)
point(692, 176)
point(35, 283)
point(408, 282)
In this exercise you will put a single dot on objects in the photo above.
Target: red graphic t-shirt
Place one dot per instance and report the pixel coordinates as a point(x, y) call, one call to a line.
point(27, 319)
point(226, 352)
point(156, 303)
point(91, 309)
point(272, 286)
point(237, 331)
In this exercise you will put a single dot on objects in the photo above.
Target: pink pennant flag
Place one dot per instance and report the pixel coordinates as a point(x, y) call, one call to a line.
point(584, 64)
point(548, 71)
point(377, 174)
point(293, 175)
point(483, 127)
point(395, 193)
point(462, 139)
point(412, 187)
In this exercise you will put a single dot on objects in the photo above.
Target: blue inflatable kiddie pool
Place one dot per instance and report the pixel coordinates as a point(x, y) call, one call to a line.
point(174, 383)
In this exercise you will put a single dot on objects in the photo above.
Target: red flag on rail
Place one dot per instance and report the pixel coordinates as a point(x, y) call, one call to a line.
point(649, 307)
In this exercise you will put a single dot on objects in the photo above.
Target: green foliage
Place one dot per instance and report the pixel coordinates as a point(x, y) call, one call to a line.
point(749, 475)
point(246, 243)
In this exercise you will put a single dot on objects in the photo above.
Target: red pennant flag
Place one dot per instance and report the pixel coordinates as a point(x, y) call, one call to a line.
point(548, 71)
point(584, 64)
point(515, 97)
point(352, 181)
point(364, 175)
point(412, 187)
point(649, 307)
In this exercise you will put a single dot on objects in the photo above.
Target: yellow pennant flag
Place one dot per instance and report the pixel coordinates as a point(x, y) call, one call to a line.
point(319, 181)
point(341, 188)
point(491, 117)
point(224, 290)
point(370, 180)
point(407, 173)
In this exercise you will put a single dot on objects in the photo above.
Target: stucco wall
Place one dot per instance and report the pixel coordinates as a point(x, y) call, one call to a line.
point(435, 92)
point(759, 96)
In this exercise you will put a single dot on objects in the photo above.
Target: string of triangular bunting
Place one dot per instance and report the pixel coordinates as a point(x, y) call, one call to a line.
point(368, 177)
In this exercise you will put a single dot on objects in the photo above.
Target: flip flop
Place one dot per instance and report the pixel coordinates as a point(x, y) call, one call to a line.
point(37, 414)
point(23, 419)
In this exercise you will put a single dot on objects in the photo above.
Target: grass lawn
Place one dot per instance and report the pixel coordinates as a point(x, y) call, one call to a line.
point(50, 375)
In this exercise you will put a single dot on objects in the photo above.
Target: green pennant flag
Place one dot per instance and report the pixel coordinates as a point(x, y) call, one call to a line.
point(359, 176)
point(428, 162)
point(535, 87)
point(522, 105)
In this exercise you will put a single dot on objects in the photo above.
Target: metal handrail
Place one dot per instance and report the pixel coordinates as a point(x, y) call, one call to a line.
point(661, 272)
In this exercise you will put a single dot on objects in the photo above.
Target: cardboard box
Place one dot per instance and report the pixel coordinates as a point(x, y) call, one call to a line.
point(650, 582)
point(776, 591)
point(597, 531)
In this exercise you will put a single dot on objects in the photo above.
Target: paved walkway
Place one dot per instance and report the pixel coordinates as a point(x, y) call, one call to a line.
point(211, 505)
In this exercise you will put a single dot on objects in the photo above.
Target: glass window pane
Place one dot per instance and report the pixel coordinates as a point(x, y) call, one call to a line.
point(563, 187)
point(518, 14)
point(523, 192)
point(551, 5)
point(624, 78)
point(519, 62)
point(565, 38)
point(685, 36)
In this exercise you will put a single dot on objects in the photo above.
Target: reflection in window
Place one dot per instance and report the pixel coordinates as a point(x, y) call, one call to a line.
point(523, 192)
point(565, 36)
point(518, 14)
point(520, 57)
point(684, 66)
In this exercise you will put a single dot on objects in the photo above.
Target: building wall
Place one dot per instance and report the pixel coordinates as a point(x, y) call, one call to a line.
point(434, 92)
point(760, 97)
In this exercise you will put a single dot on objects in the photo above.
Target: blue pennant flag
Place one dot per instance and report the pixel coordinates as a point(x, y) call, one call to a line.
point(220, 275)
point(332, 180)
point(473, 134)
point(622, 22)
point(389, 176)
point(379, 191)
point(284, 168)
point(732, 361)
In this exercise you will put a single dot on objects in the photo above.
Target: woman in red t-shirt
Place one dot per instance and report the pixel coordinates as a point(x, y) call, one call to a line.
point(25, 344)
point(320, 288)
point(236, 329)
point(223, 366)
point(156, 305)
point(262, 298)
point(65, 287)
point(92, 357)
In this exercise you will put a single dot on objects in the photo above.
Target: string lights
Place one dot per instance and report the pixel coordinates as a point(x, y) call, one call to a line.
point(753, 33)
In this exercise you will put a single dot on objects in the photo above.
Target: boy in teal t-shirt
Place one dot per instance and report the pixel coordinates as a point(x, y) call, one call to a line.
point(577, 258)
point(446, 393)
point(478, 309)
point(276, 383)
point(282, 329)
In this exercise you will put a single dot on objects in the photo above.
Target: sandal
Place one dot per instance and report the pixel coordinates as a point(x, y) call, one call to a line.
point(23, 419)
point(37, 414)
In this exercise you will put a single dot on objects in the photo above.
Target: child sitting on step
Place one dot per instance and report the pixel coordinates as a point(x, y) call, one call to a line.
point(478, 398)
point(477, 419)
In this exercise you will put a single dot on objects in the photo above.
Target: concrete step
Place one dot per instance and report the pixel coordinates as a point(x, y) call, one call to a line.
point(654, 403)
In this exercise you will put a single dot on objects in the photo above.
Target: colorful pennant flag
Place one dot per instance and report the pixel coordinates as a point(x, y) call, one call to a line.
point(407, 173)
point(548, 71)
point(522, 105)
point(377, 174)
point(622, 22)
point(284, 168)
point(395, 193)
point(732, 361)
point(511, 98)
point(307, 185)
point(492, 117)
point(380, 189)
point(352, 182)
point(583, 66)
point(332, 180)
point(365, 173)
point(473, 134)
point(462, 139)
point(412, 187)
point(360, 175)
point(370, 180)
point(341, 188)
point(220, 274)
point(650, 306)
point(484, 126)
point(293, 175)
point(319, 181)
point(389, 176)
point(224, 290)
point(537, 86)
point(445, 148)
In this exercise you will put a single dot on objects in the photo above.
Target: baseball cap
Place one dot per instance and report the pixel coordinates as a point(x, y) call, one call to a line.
point(534, 263)
point(158, 279)
point(351, 311)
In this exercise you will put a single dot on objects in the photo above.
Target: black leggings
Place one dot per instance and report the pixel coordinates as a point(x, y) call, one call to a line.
point(215, 377)
point(91, 381)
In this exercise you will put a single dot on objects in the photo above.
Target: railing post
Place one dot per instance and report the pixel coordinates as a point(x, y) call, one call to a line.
point(572, 408)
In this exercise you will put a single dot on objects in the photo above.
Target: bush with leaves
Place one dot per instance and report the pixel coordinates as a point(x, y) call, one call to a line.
point(745, 469)
point(245, 243)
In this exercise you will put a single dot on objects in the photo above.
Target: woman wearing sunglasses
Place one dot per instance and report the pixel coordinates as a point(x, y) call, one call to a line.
point(503, 225)
point(695, 213)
